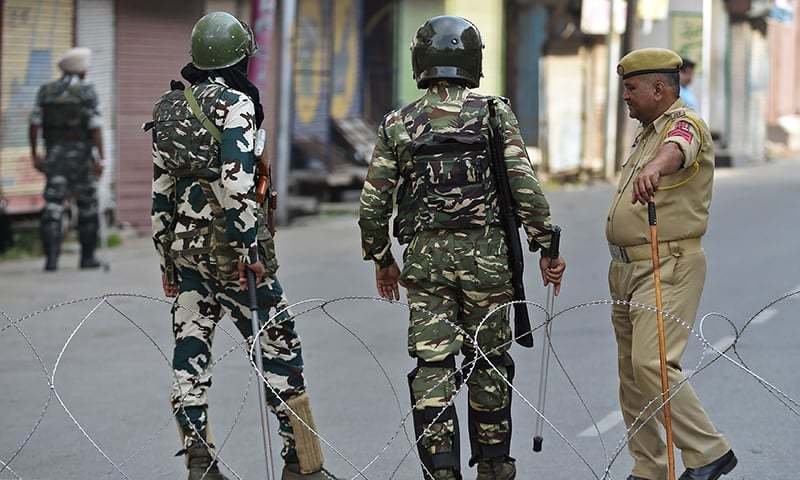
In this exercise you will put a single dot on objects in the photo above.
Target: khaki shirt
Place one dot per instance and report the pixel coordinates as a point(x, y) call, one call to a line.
point(683, 198)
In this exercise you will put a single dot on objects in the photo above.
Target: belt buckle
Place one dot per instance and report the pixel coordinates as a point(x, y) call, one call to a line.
point(618, 253)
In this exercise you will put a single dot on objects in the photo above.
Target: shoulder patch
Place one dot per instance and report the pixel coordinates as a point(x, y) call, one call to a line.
point(683, 130)
point(681, 113)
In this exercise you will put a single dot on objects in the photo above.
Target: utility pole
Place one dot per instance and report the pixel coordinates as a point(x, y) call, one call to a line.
point(628, 45)
point(288, 22)
point(612, 91)
point(705, 89)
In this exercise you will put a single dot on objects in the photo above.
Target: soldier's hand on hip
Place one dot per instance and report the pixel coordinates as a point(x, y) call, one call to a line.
point(387, 280)
point(552, 271)
point(98, 168)
point(170, 289)
point(258, 270)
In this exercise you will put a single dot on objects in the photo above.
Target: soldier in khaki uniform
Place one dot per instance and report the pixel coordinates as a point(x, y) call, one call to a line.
point(672, 164)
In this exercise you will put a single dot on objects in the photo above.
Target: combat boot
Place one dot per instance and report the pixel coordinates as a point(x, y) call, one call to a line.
point(497, 468)
point(88, 259)
point(444, 474)
point(51, 244)
point(291, 471)
point(201, 465)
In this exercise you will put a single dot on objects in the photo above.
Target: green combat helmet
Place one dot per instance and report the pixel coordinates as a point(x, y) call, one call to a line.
point(220, 40)
point(447, 47)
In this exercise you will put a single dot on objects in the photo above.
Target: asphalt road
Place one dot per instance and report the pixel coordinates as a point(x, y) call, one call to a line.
point(112, 373)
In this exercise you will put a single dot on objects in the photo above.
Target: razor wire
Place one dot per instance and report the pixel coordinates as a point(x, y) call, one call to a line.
point(246, 348)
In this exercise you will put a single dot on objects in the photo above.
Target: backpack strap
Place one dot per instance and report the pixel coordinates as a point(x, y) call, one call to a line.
point(473, 113)
point(198, 112)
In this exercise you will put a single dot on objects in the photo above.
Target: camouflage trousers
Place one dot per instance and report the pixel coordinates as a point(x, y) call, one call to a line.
point(459, 276)
point(200, 292)
point(68, 167)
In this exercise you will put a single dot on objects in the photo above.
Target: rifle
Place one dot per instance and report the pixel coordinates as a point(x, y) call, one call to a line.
point(264, 191)
point(510, 223)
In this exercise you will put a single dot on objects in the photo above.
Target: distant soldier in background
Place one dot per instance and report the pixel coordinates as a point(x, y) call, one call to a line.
point(67, 113)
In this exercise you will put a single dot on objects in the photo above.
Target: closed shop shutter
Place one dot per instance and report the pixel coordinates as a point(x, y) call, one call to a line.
point(152, 41)
point(312, 71)
point(34, 36)
point(95, 30)
point(347, 64)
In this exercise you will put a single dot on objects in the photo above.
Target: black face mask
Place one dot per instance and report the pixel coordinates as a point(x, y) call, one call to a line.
point(236, 78)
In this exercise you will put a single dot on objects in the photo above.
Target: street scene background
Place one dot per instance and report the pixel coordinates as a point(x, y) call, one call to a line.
point(109, 358)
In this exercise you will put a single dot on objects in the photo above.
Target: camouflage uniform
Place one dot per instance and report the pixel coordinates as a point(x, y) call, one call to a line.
point(458, 273)
point(67, 111)
point(205, 221)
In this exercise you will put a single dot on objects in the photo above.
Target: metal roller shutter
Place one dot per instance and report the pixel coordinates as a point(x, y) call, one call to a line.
point(34, 36)
point(152, 42)
point(312, 74)
point(347, 63)
point(95, 29)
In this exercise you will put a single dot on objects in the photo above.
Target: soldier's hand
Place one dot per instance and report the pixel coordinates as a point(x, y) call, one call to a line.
point(387, 279)
point(98, 168)
point(646, 183)
point(170, 289)
point(257, 268)
point(552, 272)
point(38, 163)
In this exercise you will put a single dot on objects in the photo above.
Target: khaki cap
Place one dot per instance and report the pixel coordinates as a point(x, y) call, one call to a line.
point(649, 60)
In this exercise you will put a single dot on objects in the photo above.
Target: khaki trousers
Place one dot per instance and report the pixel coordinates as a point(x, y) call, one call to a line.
point(682, 277)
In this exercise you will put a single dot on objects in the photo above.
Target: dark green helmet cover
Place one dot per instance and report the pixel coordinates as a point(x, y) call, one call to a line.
point(447, 47)
point(220, 40)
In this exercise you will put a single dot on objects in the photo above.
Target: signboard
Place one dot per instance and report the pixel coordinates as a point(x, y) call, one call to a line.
point(686, 36)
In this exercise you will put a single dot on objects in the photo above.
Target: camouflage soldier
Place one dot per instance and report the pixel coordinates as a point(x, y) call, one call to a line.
point(66, 111)
point(672, 164)
point(434, 152)
point(208, 228)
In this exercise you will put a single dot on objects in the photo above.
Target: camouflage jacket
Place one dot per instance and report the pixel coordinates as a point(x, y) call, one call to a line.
point(66, 109)
point(391, 162)
point(181, 215)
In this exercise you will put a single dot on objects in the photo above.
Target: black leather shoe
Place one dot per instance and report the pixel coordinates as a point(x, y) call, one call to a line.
point(719, 467)
point(634, 477)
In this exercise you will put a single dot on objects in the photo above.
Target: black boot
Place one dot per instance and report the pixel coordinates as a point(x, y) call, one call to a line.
point(88, 259)
point(291, 471)
point(51, 244)
point(201, 465)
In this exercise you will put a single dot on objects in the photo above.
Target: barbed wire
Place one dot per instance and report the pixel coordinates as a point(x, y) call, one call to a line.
point(246, 348)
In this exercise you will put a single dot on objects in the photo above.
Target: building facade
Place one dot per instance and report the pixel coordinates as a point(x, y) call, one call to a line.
point(351, 64)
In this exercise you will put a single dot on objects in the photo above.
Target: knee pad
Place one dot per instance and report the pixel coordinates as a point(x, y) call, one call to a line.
point(432, 415)
point(481, 450)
